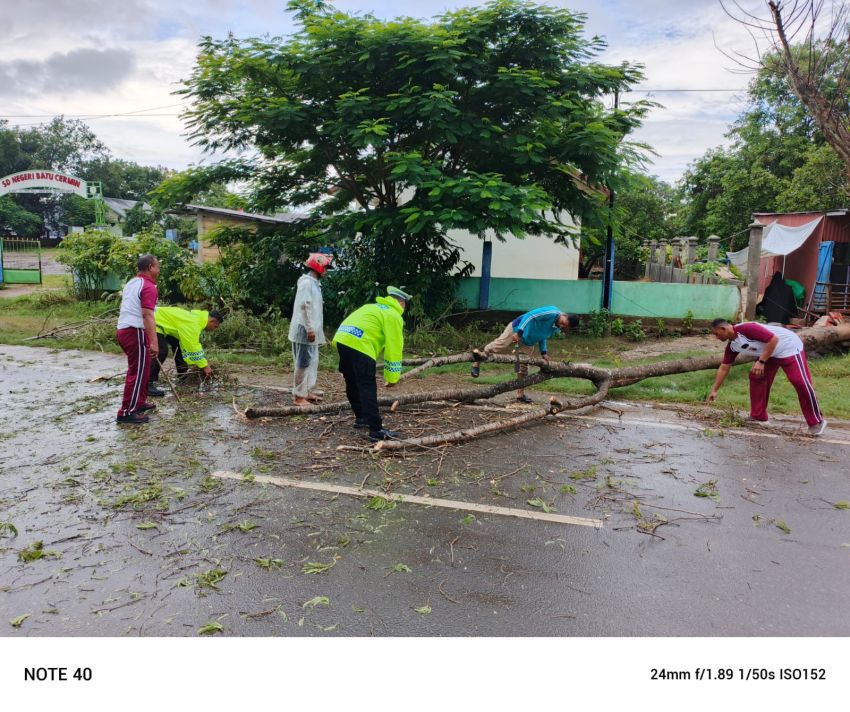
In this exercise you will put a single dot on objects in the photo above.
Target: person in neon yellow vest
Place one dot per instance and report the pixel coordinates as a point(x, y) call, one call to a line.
point(359, 340)
point(180, 330)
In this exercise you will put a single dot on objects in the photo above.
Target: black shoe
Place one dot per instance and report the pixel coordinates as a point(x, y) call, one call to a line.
point(155, 392)
point(133, 419)
point(145, 407)
point(383, 434)
point(360, 423)
point(524, 399)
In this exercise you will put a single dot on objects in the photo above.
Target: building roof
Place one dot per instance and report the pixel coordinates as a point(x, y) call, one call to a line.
point(226, 212)
point(120, 206)
point(831, 213)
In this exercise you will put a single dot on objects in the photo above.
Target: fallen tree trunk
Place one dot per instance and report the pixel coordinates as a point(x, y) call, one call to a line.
point(604, 379)
point(457, 436)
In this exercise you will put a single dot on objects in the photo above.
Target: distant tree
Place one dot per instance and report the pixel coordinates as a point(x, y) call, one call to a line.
point(810, 50)
point(646, 208)
point(14, 218)
point(395, 132)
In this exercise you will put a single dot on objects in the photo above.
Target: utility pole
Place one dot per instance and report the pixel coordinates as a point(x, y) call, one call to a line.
point(608, 271)
point(753, 262)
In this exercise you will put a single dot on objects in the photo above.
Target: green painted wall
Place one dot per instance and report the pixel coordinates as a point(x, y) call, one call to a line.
point(642, 299)
point(21, 276)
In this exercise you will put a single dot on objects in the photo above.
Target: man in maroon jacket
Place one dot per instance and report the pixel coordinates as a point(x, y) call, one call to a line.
point(774, 347)
point(137, 336)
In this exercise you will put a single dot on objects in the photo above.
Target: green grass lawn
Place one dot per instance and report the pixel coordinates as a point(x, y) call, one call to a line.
point(42, 310)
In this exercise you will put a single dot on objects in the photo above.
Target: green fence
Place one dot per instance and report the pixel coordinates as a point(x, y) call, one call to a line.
point(581, 296)
point(21, 261)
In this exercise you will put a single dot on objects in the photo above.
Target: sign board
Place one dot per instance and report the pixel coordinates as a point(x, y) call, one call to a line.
point(39, 181)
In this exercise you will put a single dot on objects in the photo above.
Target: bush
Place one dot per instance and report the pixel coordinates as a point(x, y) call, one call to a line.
point(660, 327)
point(688, 322)
point(94, 255)
point(618, 328)
point(596, 324)
point(634, 331)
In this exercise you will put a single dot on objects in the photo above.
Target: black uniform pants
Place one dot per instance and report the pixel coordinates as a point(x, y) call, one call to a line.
point(164, 342)
point(358, 370)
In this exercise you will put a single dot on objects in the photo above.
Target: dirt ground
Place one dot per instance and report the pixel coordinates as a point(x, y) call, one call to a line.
point(169, 529)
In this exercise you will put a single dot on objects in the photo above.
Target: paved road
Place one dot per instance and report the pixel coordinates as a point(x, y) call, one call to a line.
point(146, 541)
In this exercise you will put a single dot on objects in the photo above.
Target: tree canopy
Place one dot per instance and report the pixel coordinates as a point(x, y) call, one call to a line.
point(391, 133)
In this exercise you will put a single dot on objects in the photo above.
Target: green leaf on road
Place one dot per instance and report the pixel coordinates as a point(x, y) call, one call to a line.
point(16, 622)
point(317, 601)
point(423, 610)
point(211, 628)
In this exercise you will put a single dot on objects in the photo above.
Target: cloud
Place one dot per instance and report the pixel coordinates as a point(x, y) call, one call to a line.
point(79, 70)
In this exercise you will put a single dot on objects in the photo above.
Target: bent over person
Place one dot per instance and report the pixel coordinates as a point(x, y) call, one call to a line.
point(775, 347)
point(361, 337)
point(180, 330)
point(137, 337)
point(522, 335)
point(306, 329)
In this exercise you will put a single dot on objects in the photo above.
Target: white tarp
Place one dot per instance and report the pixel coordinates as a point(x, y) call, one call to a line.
point(776, 240)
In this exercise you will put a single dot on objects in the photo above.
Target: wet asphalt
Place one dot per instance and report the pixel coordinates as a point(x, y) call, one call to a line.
point(141, 540)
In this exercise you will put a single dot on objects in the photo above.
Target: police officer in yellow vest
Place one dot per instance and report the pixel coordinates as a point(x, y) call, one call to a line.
point(181, 330)
point(360, 339)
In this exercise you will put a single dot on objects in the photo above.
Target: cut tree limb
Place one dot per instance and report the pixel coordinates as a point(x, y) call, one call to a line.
point(604, 379)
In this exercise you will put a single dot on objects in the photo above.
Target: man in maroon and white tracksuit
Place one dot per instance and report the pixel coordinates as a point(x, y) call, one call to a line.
point(774, 347)
point(137, 336)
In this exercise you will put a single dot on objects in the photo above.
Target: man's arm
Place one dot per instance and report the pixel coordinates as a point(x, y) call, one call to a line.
point(303, 304)
point(149, 321)
point(722, 372)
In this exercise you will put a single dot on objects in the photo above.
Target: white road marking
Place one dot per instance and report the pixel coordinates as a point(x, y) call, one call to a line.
point(676, 426)
point(412, 499)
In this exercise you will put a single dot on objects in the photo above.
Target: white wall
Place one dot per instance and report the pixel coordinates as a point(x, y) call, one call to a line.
point(532, 257)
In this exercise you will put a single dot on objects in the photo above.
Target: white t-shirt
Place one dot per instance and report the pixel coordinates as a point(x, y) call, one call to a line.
point(751, 338)
point(139, 293)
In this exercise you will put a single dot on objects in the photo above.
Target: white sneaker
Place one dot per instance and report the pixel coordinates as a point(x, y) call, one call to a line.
point(817, 428)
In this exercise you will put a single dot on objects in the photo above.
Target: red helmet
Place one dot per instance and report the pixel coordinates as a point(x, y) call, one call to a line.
point(319, 262)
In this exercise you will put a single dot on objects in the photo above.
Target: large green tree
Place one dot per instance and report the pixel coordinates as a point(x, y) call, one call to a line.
point(778, 160)
point(394, 132)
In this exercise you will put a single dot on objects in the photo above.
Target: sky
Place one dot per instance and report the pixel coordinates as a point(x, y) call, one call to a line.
point(92, 57)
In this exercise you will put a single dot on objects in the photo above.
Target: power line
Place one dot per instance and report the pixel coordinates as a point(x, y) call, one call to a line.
point(639, 89)
point(135, 112)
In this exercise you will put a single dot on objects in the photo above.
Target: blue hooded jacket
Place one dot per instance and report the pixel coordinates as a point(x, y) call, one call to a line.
point(537, 326)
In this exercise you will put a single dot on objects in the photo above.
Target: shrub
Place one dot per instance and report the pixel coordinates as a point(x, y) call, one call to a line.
point(617, 327)
point(660, 327)
point(688, 322)
point(596, 324)
point(634, 331)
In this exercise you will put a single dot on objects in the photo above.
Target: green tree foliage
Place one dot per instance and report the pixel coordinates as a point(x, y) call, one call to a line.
point(778, 160)
point(395, 132)
point(645, 208)
point(94, 254)
point(17, 220)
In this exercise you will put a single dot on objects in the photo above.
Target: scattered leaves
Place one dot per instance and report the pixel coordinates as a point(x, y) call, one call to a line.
point(589, 474)
point(782, 526)
point(317, 601)
point(708, 489)
point(8, 529)
point(16, 622)
point(467, 520)
point(423, 610)
point(380, 504)
point(211, 628)
point(146, 525)
point(842, 504)
point(317, 567)
point(211, 578)
point(36, 551)
point(540, 504)
point(269, 563)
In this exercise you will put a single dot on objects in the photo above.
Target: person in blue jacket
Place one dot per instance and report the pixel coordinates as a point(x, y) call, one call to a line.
point(522, 335)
